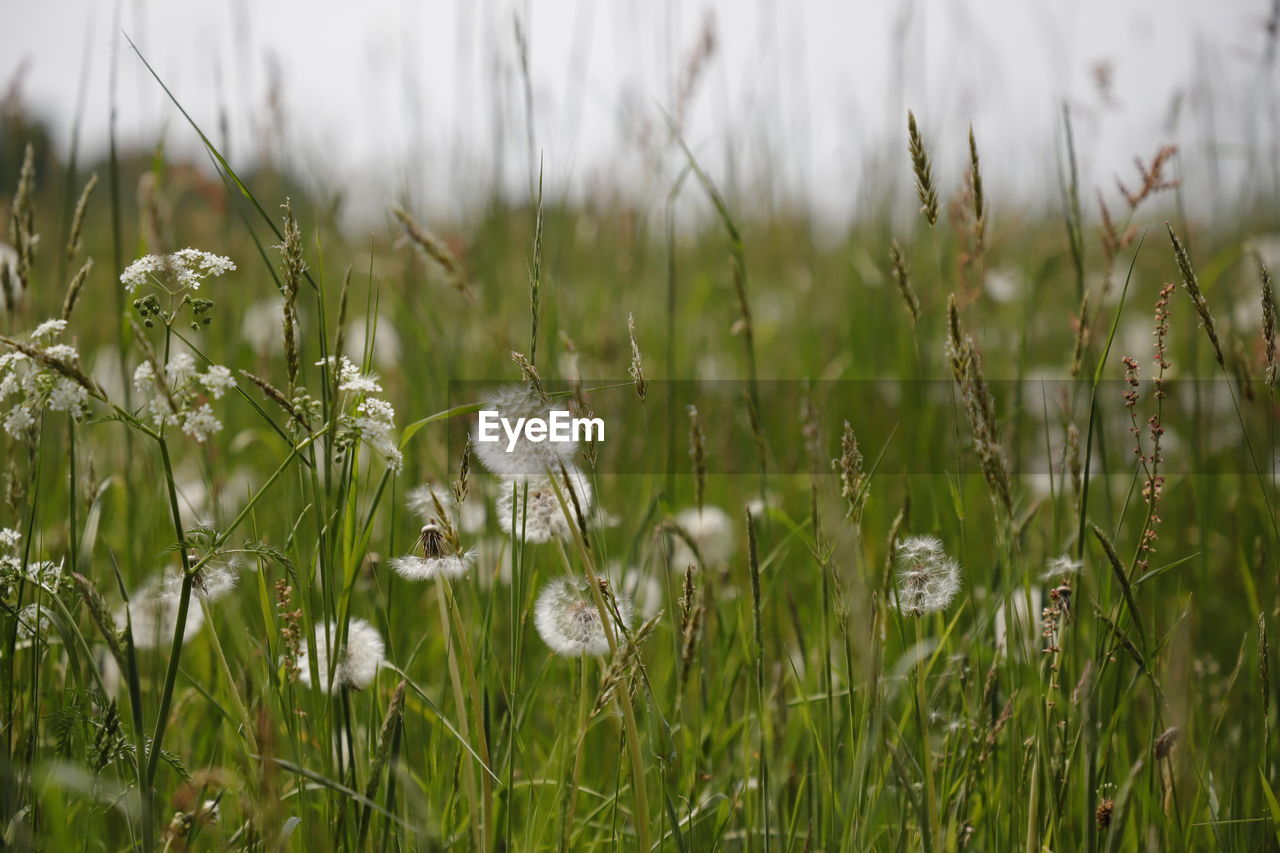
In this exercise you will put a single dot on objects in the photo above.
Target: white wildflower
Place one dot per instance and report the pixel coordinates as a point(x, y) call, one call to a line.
point(9, 537)
point(531, 507)
point(38, 385)
point(568, 619)
point(357, 660)
point(927, 578)
point(218, 380)
point(49, 328)
point(186, 268)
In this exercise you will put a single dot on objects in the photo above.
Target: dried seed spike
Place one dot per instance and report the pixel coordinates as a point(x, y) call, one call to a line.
point(1268, 322)
point(923, 168)
point(1192, 285)
point(852, 478)
point(77, 219)
point(434, 248)
point(73, 289)
point(637, 368)
point(902, 278)
point(1082, 335)
point(292, 268)
point(531, 375)
point(979, 201)
point(101, 616)
point(1264, 672)
point(462, 485)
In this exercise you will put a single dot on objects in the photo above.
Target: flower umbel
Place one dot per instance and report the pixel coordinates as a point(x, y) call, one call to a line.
point(185, 269)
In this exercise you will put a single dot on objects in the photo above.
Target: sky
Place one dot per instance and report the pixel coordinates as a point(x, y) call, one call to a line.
point(798, 103)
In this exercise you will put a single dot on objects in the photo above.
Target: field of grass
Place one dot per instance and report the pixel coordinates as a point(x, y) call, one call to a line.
point(721, 630)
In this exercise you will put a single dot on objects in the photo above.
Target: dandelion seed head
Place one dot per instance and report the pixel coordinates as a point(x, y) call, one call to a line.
point(927, 578)
point(153, 614)
point(568, 619)
point(530, 506)
point(357, 663)
point(448, 566)
point(526, 458)
point(711, 530)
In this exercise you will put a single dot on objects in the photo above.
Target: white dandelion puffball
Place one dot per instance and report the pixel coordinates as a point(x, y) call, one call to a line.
point(439, 557)
point(413, 568)
point(569, 622)
point(358, 660)
point(530, 506)
point(711, 530)
point(927, 578)
point(525, 458)
point(153, 614)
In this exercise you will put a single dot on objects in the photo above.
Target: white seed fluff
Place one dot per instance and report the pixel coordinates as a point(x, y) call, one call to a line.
point(530, 506)
point(416, 568)
point(568, 619)
point(927, 578)
point(357, 663)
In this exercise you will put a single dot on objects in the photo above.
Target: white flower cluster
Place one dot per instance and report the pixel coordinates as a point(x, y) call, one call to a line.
point(186, 267)
point(42, 572)
point(38, 386)
point(184, 405)
point(368, 419)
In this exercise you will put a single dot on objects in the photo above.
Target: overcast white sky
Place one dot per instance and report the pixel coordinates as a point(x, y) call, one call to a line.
point(388, 96)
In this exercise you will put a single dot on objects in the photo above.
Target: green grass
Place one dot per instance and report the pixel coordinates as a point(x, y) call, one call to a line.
point(777, 701)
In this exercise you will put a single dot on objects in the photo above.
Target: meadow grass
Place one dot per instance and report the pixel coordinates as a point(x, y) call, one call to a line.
point(747, 643)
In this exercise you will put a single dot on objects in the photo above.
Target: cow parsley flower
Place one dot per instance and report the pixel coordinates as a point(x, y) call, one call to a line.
point(366, 419)
point(927, 579)
point(356, 662)
point(38, 385)
point(440, 557)
point(711, 530)
point(525, 458)
point(568, 619)
point(179, 397)
point(530, 506)
point(185, 269)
